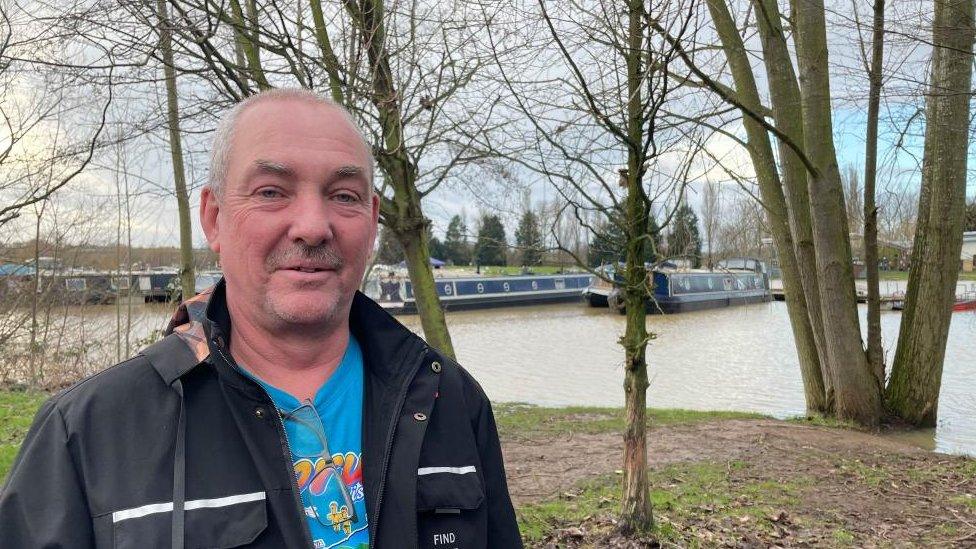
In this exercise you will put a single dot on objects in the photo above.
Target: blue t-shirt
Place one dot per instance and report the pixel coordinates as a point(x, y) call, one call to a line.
point(331, 483)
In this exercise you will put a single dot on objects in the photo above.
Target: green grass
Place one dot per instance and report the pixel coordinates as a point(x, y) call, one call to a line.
point(17, 409)
point(496, 270)
point(843, 537)
point(514, 418)
point(823, 421)
point(683, 493)
point(903, 275)
point(966, 500)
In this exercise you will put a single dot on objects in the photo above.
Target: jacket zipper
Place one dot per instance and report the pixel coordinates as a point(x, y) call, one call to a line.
point(401, 399)
point(282, 440)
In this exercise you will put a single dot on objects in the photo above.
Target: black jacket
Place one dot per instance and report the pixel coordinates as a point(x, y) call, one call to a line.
point(177, 444)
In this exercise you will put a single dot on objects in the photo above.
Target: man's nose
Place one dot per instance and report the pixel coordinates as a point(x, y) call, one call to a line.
point(312, 221)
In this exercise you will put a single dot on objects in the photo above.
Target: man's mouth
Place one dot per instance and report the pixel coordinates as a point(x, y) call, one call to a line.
point(303, 269)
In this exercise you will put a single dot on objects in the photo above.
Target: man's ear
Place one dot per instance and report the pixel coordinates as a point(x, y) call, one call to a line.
point(209, 208)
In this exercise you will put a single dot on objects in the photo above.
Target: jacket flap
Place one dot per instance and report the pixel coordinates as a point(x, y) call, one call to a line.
point(446, 488)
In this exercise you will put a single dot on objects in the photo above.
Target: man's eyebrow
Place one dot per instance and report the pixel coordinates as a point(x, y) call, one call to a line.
point(349, 171)
point(273, 168)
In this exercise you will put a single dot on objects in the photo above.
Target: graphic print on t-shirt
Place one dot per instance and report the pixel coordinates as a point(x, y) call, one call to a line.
point(330, 482)
point(322, 495)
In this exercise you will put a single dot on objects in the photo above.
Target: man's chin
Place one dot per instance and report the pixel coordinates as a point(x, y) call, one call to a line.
point(310, 310)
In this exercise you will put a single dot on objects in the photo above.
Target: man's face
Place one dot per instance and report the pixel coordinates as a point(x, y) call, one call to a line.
point(296, 221)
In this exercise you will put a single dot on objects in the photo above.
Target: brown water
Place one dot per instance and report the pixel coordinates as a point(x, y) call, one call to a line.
point(740, 358)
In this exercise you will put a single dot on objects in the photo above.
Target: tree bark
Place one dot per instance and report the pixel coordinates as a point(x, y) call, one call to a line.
point(329, 59)
point(875, 350)
point(785, 96)
point(857, 393)
point(771, 191)
point(636, 512)
point(403, 214)
point(916, 376)
point(248, 44)
point(187, 278)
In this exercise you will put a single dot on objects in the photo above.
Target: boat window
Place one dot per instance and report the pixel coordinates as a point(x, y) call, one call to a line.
point(700, 283)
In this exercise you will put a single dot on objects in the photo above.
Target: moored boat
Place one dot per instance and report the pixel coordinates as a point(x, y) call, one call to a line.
point(732, 282)
point(395, 293)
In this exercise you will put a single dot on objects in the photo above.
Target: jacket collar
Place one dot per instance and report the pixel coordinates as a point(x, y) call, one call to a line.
point(202, 323)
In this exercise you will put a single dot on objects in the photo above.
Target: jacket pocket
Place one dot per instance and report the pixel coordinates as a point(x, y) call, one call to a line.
point(216, 523)
point(450, 510)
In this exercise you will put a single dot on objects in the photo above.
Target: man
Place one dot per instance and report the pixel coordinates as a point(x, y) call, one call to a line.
point(284, 409)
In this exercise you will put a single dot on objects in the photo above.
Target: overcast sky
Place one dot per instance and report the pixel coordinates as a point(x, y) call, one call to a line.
point(153, 210)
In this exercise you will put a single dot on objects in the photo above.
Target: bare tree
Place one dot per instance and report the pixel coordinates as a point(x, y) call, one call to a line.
point(916, 376)
point(711, 216)
point(404, 70)
point(870, 216)
point(589, 106)
point(187, 278)
point(35, 160)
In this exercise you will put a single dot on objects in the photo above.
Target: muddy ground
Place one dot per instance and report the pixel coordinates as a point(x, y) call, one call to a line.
point(826, 486)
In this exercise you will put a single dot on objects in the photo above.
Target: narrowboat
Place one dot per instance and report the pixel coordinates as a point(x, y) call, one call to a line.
point(395, 293)
point(80, 287)
point(732, 282)
point(158, 285)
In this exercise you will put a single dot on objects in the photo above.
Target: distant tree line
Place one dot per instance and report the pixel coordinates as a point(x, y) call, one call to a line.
point(489, 248)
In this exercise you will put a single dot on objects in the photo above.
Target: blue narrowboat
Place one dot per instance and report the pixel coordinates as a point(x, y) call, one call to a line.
point(395, 294)
point(732, 282)
point(158, 285)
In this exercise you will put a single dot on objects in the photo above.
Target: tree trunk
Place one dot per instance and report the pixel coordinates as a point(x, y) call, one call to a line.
point(916, 376)
point(187, 278)
point(36, 375)
point(770, 187)
point(857, 393)
point(245, 42)
point(329, 59)
point(785, 96)
point(636, 513)
point(432, 319)
point(403, 214)
point(875, 350)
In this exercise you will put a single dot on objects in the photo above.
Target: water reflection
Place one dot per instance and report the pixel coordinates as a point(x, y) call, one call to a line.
point(741, 358)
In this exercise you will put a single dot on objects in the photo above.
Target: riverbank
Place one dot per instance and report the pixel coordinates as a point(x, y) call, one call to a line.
point(717, 478)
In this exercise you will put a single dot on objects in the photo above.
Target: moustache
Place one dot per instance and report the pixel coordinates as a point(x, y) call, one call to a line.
point(323, 257)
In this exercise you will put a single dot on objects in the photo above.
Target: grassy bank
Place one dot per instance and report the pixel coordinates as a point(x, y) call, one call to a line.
point(516, 419)
point(903, 275)
point(498, 270)
point(722, 479)
point(17, 409)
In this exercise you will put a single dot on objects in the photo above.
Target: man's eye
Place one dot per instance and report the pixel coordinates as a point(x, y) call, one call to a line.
point(346, 197)
point(269, 193)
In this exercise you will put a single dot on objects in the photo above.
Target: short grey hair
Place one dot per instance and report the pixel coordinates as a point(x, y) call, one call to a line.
point(224, 136)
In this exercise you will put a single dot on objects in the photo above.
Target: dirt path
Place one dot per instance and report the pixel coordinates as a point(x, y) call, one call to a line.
point(850, 486)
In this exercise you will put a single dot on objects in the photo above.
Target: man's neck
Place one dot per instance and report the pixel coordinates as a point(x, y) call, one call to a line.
point(296, 361)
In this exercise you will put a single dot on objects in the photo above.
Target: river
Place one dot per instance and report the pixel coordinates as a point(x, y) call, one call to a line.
point(740, 358)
